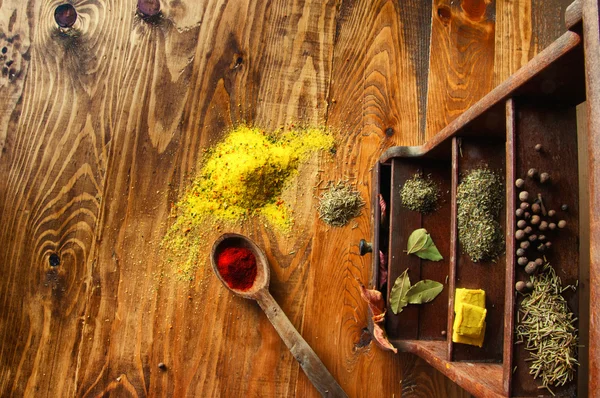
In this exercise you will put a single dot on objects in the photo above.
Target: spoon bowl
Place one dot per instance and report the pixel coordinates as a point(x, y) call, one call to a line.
point(262, 264)
point(315, 370)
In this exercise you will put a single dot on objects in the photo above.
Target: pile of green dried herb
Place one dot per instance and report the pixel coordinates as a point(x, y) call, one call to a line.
point(547, 328)
point(420, 194)
point(339, 204)
point(479, 200)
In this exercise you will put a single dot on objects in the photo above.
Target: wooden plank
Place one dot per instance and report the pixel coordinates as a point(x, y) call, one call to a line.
point(591, 31)
point(486, 275)
point(555, 129)
point(461, 63)
point(562, 55)
point(509, 285)
point(573, 14)
point(453, 247)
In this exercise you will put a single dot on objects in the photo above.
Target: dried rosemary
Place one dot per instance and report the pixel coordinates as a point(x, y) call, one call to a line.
point(339, 204)
point(479, 200)
point(547, 328)
point(420, 194)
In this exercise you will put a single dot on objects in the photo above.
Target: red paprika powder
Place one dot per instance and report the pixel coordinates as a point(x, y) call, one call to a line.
point(237, 266)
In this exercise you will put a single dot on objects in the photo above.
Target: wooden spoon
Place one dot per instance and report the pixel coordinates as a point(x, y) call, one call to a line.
point(306, 357)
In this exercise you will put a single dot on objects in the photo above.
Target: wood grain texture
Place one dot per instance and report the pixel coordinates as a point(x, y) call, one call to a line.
point(461, 64)
point(101, 129)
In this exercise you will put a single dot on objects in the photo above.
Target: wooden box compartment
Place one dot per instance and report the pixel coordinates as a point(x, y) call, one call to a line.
point(500, 133)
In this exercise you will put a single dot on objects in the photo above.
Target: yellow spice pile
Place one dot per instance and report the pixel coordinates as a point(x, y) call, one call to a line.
point(242, 176)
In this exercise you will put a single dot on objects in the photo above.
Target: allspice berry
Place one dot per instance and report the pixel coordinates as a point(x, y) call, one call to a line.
point(548, 245)
point(532, 238)
point(551, 213)
point(527, 215)
point(544, 178)
point(532, 173)
point(521, 224)
point(522, 261)
point(531, 267)
point(543, 226)
point(539, 261)
point(542, 237)
point(520, 234)
point(535, 220)
point(524, 245)
point(523, 196)
point(519, 213)
point(520, 183)
point(535, 208)
point(520, 286)
point(529, 285)
point(524, 205)
point(552, 226)
point(520, 252)
point(561, 224)
point(528, 230)
point(538, 147)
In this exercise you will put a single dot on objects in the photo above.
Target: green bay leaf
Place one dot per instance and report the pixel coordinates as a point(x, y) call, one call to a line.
point(416, 241)
point(423, 291)
point(429, 251)
point(398, 293)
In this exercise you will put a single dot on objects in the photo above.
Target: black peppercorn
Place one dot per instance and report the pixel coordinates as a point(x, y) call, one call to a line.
point(519, 183)
point(538, 147)
point(564, 207)
point(522, 261)
point(162, 366)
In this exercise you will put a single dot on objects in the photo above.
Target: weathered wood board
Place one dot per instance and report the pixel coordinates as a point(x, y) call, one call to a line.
point(101, 131)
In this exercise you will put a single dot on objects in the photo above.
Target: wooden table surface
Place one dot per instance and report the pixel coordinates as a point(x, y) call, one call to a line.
point(101, 131)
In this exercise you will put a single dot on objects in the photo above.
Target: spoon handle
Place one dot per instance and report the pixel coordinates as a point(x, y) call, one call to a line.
point(306, 357)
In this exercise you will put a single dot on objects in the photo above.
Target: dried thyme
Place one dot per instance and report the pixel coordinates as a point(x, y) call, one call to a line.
point(420, 194)
point(547, 328)
point(339, 204)
point(479, 200)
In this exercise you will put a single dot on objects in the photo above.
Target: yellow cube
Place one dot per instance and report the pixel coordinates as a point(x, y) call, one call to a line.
point(469, 296)
point(476, 341)
point(469, 320)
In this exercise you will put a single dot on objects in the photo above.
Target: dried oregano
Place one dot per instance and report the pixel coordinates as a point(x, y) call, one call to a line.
point(420, 194)
point(479, 199)
point(339, 204)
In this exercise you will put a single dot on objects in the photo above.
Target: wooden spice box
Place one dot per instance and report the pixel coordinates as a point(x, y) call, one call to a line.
point(537, 105)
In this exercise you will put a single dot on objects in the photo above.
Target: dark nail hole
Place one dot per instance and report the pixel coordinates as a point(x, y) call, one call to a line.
point(389, 131)
point(5, 70)
point(9, 62)
point(148, 8)
point(4, 50)
point(239, 60)
point(65, 15)
point(444, 13)
point(54, 260)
